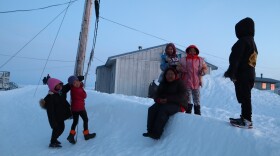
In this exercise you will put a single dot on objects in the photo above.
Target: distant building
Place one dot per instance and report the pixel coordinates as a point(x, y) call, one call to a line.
point(4, 80)
point(131, 73)
point(265, 83)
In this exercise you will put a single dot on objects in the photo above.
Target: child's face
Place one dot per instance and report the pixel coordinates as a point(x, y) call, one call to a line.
point(192, 51)
point(170, 76)
point(76, 83)
point(58, 87)
point(169, 50)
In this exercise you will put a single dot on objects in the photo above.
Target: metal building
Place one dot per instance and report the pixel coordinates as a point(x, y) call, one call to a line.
point(131, 73)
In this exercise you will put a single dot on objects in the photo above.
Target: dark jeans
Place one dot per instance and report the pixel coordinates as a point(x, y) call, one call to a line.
point(158, 115)
point(57, 131)
point(243, 94)
point(83, 115)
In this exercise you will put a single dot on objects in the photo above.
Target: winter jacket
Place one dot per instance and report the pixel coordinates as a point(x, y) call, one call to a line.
point(58, 108)
point(78, 96)
point(192, 69)
point(243, 57)
point(174, 61)
point(173, 91)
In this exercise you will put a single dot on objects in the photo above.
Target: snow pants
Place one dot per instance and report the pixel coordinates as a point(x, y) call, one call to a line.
point(243, 94)
point(83, 115)
point(158, 115)
point(57, 131)
point(195, 94)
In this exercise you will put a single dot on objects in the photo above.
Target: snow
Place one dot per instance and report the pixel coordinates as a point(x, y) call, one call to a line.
point(120, 120)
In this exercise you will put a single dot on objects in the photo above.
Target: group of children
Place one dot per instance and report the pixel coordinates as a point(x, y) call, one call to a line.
point(58, 109)
point(182, 78)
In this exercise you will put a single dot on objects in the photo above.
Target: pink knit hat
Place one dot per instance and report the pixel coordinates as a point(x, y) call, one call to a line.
point(52, 82)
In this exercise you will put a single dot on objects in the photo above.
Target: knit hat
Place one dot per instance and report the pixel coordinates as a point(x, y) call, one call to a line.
point(71, 79)
point(192, 46)
point(52, 82)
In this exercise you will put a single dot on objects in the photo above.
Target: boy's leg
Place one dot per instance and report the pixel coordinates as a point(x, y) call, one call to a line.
point(57, 131)
point(196, 101)
point(84, 116)
point(152, 112)
point(246, 107)
point(164, 112)
point(188, 98)
point(75, 120)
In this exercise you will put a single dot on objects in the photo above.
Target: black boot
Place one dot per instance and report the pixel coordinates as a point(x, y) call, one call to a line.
point(197, 110)
point(189, 108)
point(70, 138)
point(88, 136)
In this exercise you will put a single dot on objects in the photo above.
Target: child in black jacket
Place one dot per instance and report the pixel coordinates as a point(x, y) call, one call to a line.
point(58, 108)
point(241, 71)
point(169, 99)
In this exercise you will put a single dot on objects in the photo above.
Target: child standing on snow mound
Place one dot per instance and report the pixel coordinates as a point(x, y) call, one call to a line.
point(241, 70)
point(192, 68)
point(58, 108)
point(169, 59)
point(169, 99)
point(78, 96)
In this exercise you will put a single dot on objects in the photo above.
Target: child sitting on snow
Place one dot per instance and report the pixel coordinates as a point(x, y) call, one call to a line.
point(78, 96)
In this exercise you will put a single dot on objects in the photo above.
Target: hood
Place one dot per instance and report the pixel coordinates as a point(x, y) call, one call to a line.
point(192, 46)
point(245, 27)
point(52, 82)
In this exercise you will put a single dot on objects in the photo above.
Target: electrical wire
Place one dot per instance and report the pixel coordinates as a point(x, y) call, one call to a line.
point(53, 45)
point(46, 7)
point(33, 38)
point(97, 6)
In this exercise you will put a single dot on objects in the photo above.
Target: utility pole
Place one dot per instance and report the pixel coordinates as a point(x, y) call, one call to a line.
point(80, 59)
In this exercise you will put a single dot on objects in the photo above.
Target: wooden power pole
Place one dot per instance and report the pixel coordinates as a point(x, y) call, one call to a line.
point(80, 59)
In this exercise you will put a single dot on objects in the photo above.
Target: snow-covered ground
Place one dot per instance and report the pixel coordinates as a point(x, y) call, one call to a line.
point(119, 122)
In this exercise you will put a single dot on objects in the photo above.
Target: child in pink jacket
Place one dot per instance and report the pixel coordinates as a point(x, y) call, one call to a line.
point(192, 68)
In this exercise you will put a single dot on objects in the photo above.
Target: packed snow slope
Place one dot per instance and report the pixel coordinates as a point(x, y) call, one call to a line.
point(119, 122)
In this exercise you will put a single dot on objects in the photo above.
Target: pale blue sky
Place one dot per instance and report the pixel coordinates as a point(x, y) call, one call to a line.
point(207, 24)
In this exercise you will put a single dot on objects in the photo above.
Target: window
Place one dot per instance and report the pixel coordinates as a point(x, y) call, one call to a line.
point(263, 85)
point(272, 86)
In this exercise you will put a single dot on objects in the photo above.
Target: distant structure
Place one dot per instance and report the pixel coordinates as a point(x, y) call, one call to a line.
point(131, 73)
point(5, 83)
point(262, 83)
point(4, 80)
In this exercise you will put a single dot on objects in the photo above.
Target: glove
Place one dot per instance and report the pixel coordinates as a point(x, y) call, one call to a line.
point(80, 78)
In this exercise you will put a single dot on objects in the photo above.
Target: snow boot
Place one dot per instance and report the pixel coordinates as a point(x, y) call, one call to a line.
point(197, 110)
point(241, 122)
point(57, 142)
point(70, 138)
point(55, 145)
point(189, 108)
point(88, 136)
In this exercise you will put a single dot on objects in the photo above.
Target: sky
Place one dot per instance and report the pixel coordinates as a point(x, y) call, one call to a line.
point(119, 121)
point(207, 24)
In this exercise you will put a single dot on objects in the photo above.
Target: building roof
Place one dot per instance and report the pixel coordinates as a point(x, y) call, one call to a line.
point(111, 59)
point(266, 80)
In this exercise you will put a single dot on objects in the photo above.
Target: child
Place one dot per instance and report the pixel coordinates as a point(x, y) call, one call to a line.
point(168, 100)
point(192, 68)
point(78, 96)
point(169, 59)
point(58, 108)
point(241, 70)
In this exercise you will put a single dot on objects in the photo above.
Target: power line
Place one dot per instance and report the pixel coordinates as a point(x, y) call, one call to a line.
point(33, 37)
point(97, 6)
point(25, 10)
point(39, 59)
point(53, 44)
point(131, 28)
